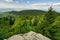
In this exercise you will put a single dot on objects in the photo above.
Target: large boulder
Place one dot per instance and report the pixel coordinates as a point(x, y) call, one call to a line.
point(28, 36)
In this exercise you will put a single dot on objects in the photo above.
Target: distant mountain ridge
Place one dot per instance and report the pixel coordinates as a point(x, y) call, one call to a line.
point(28, 12)
point(25, 12)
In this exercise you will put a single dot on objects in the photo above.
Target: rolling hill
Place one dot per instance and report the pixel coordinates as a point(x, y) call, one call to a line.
point(27, 12)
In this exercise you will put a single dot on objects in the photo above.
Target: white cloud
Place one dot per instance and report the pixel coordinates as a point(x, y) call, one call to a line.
point(7, 5)
point(39, 6)
point(45, 6)
point(17, 1)
point(28, 2)
point(56, 4)
point(9, 0)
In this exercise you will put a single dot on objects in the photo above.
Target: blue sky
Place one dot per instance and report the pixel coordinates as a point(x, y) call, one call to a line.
point(29, 4)
point(31, 1)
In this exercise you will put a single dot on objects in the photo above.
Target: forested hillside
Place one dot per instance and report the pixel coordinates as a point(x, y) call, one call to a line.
point(43, 22)
point(28, 12)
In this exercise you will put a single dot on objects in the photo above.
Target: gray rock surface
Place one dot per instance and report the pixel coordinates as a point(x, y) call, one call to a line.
point(28, 36)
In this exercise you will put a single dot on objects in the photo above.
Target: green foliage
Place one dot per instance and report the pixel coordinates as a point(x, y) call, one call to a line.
point(47, 24)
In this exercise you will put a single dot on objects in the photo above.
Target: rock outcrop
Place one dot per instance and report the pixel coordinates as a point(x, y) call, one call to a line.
point(28, 36)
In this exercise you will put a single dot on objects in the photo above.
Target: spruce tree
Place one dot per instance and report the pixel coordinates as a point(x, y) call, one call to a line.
point(49, 18)
point(50, 15)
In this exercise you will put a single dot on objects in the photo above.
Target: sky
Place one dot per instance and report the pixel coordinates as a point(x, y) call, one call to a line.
point(17, 5)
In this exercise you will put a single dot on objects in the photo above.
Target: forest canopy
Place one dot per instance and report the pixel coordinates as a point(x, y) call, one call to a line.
point(46, 23)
